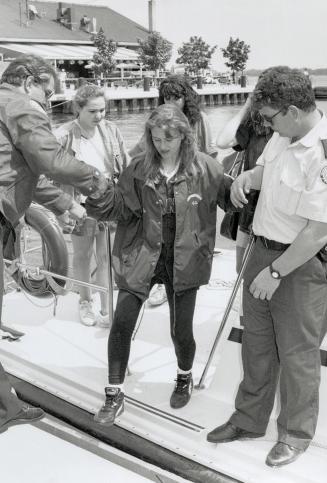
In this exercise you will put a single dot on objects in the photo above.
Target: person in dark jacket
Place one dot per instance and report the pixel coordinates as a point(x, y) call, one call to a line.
point(177, 89)
point(28, 149)
point(245, 132)
point(165, 203)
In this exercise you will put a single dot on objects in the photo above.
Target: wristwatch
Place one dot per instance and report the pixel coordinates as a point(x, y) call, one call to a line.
point(274, 273)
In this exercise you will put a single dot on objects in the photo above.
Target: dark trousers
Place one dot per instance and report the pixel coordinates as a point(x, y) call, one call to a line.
point(282, 338)
point(10, 405)
point(181, 309)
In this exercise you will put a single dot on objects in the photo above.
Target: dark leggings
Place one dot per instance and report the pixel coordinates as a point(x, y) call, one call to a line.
point(181, 308)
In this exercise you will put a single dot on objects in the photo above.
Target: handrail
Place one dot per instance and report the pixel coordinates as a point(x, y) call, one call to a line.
point(246, 257)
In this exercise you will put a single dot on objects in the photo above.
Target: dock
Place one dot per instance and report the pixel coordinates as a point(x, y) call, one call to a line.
point(132, 99)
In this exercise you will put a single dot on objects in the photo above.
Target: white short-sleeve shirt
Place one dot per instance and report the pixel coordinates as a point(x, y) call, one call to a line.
point(294, 185)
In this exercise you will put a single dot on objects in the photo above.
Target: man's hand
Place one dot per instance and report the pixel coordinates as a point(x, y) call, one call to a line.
point(240, 188)
point(264, 286)
point(77, 211)
point(102, 187)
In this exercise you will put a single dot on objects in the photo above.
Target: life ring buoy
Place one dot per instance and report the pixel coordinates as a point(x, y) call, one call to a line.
point(54, 254)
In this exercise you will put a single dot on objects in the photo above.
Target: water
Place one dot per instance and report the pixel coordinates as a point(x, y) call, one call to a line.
point(131, 125)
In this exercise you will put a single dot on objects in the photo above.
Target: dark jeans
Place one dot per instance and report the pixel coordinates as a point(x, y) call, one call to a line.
point(181, 309)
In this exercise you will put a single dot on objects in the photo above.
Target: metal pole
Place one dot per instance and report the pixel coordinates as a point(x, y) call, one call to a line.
point(110, 281)
point(229, 306)
point(42, 271)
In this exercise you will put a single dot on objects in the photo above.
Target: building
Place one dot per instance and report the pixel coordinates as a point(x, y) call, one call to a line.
point(62, 32)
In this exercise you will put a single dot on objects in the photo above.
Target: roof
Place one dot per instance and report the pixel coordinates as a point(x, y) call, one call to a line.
point(115, 26)
point(64, 51)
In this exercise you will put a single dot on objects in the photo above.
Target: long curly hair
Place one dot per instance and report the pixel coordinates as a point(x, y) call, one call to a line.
point(176, 87)
point(171, 119)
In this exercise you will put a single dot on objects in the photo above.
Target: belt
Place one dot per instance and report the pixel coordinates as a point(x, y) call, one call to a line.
point(272, 244)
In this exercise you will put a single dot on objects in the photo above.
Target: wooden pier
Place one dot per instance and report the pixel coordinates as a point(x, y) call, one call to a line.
point(126, 99)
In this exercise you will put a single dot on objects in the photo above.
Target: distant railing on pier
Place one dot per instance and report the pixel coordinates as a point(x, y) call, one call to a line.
point(123, 97)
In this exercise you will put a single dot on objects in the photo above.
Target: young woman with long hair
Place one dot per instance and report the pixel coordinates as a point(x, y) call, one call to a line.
point(177, 89)
point(165, 203)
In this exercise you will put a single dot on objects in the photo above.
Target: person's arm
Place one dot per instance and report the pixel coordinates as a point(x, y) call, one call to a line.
point(305, 246)
point(120, 202)
point(57, 201)
point(123, 151)
point(52, 197)
point(246, 181)
point(31, 133)
point(138, 148)
point(209, 145)
point(227, 137)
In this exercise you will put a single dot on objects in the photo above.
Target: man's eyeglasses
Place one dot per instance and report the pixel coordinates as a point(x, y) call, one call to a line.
point(39, 80)
point(49, 93)
point(269, 119)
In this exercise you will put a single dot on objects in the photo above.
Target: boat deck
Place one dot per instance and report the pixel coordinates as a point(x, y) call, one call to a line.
point(69, 360)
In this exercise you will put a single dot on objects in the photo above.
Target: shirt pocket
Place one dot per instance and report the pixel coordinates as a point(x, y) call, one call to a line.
point(287, 198)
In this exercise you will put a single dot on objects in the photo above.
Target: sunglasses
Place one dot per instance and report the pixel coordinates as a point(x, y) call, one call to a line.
point(40, 81)
point(269, 119)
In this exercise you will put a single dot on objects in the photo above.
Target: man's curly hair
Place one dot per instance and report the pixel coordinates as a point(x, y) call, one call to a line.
point(177, 86)
point(280, 87)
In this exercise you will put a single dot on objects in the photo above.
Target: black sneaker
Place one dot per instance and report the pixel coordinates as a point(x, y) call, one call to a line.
point(113, 406)
point(182, 391)
point(27, 414)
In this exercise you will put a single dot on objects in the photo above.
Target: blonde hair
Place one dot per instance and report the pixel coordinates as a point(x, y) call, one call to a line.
point(84, 93)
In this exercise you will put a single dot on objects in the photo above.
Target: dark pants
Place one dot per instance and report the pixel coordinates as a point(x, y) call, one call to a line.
point(282, 337)
point(10, 405)
point(181, 309)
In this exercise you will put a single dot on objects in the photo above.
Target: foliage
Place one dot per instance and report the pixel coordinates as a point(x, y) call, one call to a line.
point(155, 51)
point(103, 61)
point(237, 53)
point(195, 54)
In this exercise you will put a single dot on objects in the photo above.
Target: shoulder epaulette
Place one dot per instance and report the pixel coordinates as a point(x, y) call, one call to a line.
point(324, 145)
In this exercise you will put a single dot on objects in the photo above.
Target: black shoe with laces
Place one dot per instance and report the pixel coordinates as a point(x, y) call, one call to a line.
point(27, 414)
point(182, 391)
point(113, 406)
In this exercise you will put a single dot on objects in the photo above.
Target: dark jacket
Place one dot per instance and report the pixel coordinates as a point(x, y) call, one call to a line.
point(252, 144)
point(28, 149)
point(134, 202)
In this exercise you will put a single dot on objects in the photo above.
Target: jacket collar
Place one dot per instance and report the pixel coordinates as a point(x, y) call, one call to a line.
point(140, 174)
point(35, 97)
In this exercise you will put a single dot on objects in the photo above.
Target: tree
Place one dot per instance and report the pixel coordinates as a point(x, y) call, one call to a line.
point(103, 61)
point(195, 54)
point(155, 51)
point(237, 53)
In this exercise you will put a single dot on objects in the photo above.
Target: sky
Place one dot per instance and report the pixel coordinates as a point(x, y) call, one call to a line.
point(279, 32)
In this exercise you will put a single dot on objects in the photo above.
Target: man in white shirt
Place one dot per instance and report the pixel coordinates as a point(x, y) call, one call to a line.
point(285, 288)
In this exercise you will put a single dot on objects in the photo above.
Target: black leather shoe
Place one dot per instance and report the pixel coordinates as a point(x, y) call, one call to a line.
point(27, 414)
point(228, 432)
point(182, 391)
point(113, 406)
point(282, 454)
